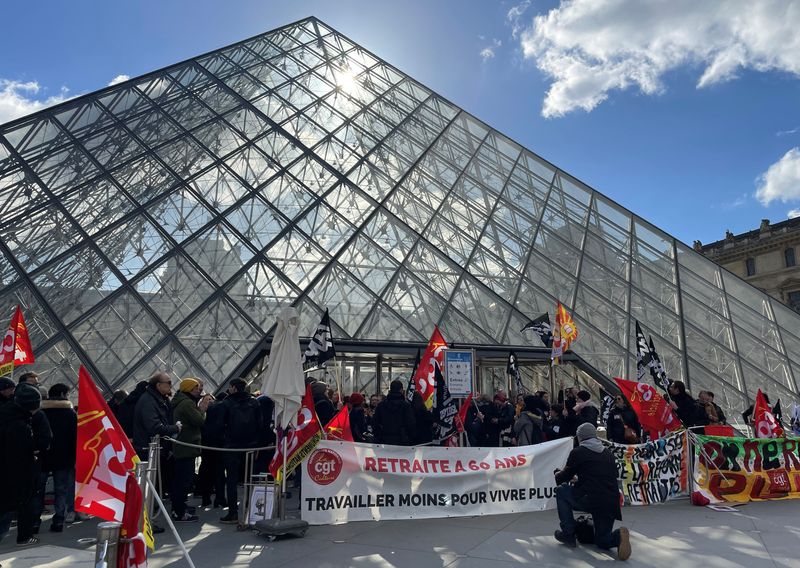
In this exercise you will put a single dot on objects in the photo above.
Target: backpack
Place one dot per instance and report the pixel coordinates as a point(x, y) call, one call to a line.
point(243, 422)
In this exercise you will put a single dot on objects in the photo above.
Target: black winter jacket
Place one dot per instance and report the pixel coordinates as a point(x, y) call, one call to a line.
point(64, 425)
point(153, 416)
point(213, 432)
point(423, 428)
point(17, 450)
point(358, 425)
point(596, 490)
point(324, 409)
point(394, 421)
point(617, 419)
point(243, 421)
point(126, 411)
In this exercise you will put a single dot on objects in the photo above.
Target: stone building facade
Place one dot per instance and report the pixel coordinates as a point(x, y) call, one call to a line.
point(768, 258)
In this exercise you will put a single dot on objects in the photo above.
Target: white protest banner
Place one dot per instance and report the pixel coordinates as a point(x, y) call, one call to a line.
point(344, 481)
point(654, 472)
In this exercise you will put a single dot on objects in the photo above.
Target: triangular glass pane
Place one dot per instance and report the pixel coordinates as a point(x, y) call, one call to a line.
point(262, 293)
point(298, 258)
point(257, 222)
point(219, 252)
point(390, 235)
point(172, 360)
point(456, 328)
point(384, 325)
point(347, 299)
point(117, 335)
point(75, 283)
point(59, 364)
point(439, 273)
point(369, 263)
point(286, 195)
point(173, 289)
point(38, 238)
point(97, 205)
point(218, 338)
point(133, 245)
point(219, 187)
point(414, 302)
point(481, 307)
point(180, 214)
point(328, 229)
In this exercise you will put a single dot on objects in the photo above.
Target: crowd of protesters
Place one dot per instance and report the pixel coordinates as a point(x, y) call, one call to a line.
point(38, 430)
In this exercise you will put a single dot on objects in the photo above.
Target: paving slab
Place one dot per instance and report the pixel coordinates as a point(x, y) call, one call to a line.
point(674, 535)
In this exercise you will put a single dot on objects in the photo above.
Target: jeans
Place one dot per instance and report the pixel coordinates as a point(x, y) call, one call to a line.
point(181, 483)
point(232, 462)
point(63, 493)
point(604, 536)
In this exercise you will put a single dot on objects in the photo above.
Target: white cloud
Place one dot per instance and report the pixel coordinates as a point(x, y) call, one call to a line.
point(793, 213)
point(513, 16)
point(788, 132)
point(489, 51)
point(737, 202)
point(19, 99)
point(590, 48)
point(781, 181)
point(119, 79)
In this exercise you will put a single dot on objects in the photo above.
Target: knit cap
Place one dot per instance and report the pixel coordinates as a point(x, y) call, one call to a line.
point(586, 431)
point(188, 384)
point(27, 397)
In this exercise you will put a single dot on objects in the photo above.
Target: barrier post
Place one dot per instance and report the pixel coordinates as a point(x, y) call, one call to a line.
point(107, 544)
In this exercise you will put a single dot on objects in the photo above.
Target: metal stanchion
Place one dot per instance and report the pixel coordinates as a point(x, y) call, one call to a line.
point(107, 544)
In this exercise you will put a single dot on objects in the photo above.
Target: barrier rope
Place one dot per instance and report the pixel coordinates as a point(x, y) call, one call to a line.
point(215, 449)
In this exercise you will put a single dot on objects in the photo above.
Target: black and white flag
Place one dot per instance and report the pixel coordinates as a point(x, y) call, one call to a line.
point(445, 410)
point(605, 407)
point(512, 368)
point(320, 348)
point(644, 357)
point(543, 329)
point(412, 387)
point(658, 371)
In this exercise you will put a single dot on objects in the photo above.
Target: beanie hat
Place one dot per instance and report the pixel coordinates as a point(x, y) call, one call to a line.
point(586, 431)
point(6, 383)
point(188, 384)
point(318, 388)
point(27, 397)
point(356, 399)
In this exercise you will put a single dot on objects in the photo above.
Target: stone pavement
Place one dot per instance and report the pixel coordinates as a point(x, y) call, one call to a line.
point(675, 535)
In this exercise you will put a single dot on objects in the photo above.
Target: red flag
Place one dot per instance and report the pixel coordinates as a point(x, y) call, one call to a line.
point(461, 417)
point(132, 554)
point(104, 455)
point(301, 439)
point(655, 415)
point(339, 426)
point(564, 333)
point(424, 378)
point(764, 422)
point(16, 345)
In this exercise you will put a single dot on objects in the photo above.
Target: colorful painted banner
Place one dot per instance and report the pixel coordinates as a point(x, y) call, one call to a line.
point(345, 482)
point(745, 469)
point(654, 472)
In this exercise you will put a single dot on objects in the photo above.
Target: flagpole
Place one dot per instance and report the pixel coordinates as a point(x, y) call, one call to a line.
point(282, 505)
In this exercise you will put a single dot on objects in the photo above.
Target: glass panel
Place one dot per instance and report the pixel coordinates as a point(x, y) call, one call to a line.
point(348, 300)
point(544, 273)
point(414, 302)
point(481, 307)
point(133, 245)
point(298, 258)
point(180, 214)
point(97, 205)
point(59, 364)
point(219, 188)
point(730, 399)
point(145, 179)
point(286, 195)
point(172, 360)
point(434, 269)
point(605, 355)
point(219, 252)
point(326, 228)
point(174, 289)
point(652, 314)
point(117, 335)
point(602, 314)
point(713, 356)
point(219, 338)
point(64, 169)
point(19, 193)
point(369, 263)
point(36, 239)
point(604, 282)
point(257, 221)
point(76, 283)
point(391, 235)
point(384, 325)
point(262, 293)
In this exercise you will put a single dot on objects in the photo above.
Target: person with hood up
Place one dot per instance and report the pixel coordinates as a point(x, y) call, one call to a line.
point(322, 403)
point(585, 409)
point(528, 425)
point(189, 408)
point(18, 450)
point(394, 421)
point(595, 491)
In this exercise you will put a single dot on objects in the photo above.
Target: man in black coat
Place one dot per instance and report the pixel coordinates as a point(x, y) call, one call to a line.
point(42, 439)
point(18, 452)
point(595, 491)
point(499, 417)
point(322, 404)
point(153, 414)
point(126, 411)
point(394, 421)
point(59, 460)
point(243, 427)
point(211, 475)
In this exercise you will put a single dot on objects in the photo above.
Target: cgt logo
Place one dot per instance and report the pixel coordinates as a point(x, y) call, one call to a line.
point(324, 466)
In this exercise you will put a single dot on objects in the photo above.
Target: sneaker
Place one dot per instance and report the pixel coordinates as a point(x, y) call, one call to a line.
point(29, 542)
point(230, 519)
point(624, 548)
point(186, 518)
point(565, 540)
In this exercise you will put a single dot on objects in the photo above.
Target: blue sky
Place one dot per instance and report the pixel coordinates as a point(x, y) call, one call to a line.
point(683, 112)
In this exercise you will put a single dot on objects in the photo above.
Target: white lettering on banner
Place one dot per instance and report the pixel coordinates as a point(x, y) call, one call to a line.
point(654, 472)
point(345, 482)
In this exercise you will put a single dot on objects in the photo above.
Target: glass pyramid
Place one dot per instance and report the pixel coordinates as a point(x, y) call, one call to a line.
point(161, 223)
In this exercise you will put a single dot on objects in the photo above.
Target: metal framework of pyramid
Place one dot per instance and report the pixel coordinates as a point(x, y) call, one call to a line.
point(162, 222)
